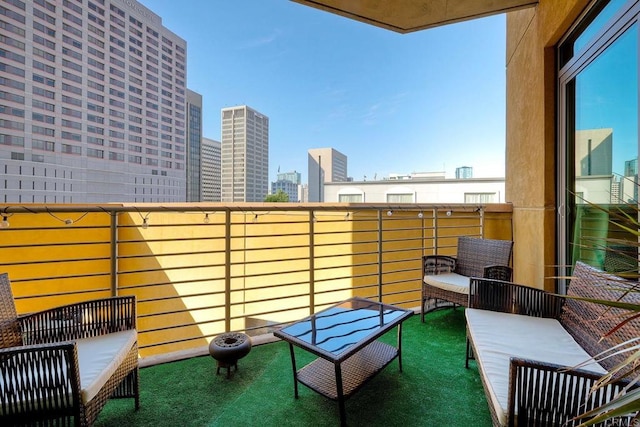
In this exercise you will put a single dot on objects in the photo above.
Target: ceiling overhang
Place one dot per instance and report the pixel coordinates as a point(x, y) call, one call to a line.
point(406, 16)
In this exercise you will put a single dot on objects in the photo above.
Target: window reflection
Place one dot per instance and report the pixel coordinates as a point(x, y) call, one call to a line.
point(604, 136)
point(606, 11)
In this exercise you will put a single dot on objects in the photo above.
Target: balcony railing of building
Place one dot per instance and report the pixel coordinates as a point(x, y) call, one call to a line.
point(198, 270)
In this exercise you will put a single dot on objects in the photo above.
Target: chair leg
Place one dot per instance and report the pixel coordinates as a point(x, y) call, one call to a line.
point(469, 354)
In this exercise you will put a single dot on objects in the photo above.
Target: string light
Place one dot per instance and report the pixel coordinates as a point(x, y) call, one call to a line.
point(389, 213)
point(255, 218)
point(145, 222)
point(68, 221)
point(420, 215)
point(5, 222)
point(448, 213)
point(206, 218)
point(346, 217)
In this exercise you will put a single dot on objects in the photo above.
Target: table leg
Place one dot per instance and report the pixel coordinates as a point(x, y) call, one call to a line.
point(295, 371)
point(339, 390)
point(400, 346)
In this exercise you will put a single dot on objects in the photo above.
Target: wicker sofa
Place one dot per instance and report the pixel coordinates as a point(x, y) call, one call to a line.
point(523, 339)
point(59, 366)
point(446, 278)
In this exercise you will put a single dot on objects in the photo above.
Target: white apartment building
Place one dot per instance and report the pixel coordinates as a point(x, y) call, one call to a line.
point(245, 155)
point(433, 190)
point(325, 165)
point(92, 103)
point(211, 172)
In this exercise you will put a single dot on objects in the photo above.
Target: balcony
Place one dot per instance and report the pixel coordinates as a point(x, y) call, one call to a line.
point(433, 389)
point(199, 270)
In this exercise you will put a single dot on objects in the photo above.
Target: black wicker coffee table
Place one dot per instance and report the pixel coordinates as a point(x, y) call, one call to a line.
point(344, 337)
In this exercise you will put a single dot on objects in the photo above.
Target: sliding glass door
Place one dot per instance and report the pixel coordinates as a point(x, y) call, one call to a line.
point(598, 140)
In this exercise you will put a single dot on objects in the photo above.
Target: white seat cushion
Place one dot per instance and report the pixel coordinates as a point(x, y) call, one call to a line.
point(499, 336)
point(99, 357)
point(453, 282)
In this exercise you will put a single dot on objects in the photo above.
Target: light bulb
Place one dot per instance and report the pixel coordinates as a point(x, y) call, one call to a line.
point(206, 218)
point(448, 213)
point(346, 217)
point(68, 221)
point(145, 223)
point(389, 213)
point(420, 215)
point(5, 222)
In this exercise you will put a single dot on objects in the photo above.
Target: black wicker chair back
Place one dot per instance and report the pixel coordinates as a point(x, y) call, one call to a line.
point(475, 254)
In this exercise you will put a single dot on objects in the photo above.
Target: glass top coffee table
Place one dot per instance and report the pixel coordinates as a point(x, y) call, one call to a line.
point(344, 337)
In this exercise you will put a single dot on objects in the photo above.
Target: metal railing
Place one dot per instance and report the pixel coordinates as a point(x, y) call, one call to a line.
point(198, 270)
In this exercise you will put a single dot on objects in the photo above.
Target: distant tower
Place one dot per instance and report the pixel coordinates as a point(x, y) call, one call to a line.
point(288, 182)
point(629, 184)
point(211, 175)
point(464, 172)
point(325, 165)
point(194, 141)
point(245, 155)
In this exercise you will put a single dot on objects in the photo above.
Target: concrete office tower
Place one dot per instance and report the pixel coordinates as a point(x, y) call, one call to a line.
point(211, 176)
point(325, 165)
point(594, 166)
point(245, 155)
point(92, 99)
point(194, 142)
point(289, 182)
point(464, 172)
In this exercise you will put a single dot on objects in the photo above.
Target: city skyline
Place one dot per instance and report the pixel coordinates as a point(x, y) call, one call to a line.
point(437, 94)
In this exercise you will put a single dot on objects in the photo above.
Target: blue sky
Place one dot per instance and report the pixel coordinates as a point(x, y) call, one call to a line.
point(392, 103)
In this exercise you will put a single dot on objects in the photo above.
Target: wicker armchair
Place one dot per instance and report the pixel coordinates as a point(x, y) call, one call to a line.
point(59, 366)
point(446, 278)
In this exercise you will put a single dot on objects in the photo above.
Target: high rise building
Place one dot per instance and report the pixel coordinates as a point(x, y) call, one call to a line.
point(325, 165)
point(289, 182)
point(92, 104)
point(628, 192)
point(194, 142)
point(464, 172)
point(245, 155)
point(210, 171)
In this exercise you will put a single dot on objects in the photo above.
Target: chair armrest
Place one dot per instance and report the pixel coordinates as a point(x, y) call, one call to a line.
point(498, 295)
point(548, 394)
point(79, 320)
point(498, 272)
point(38, 378)
point(438, 264)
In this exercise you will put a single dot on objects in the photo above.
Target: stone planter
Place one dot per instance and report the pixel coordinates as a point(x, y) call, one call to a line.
point(228, 348)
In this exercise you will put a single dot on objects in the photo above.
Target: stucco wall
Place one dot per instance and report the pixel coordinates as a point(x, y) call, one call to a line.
point(532, 35)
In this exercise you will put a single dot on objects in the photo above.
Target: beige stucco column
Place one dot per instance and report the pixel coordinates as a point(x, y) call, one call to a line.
point(531, 133)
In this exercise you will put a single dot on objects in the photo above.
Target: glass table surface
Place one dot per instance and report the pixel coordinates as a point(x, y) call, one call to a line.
point(341, 327)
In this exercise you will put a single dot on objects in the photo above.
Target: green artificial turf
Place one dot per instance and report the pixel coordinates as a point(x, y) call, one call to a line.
point(434, 388)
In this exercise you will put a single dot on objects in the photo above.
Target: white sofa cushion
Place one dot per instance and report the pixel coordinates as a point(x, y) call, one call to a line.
point(453, 282)
point(497, 337)
point(99, 357)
